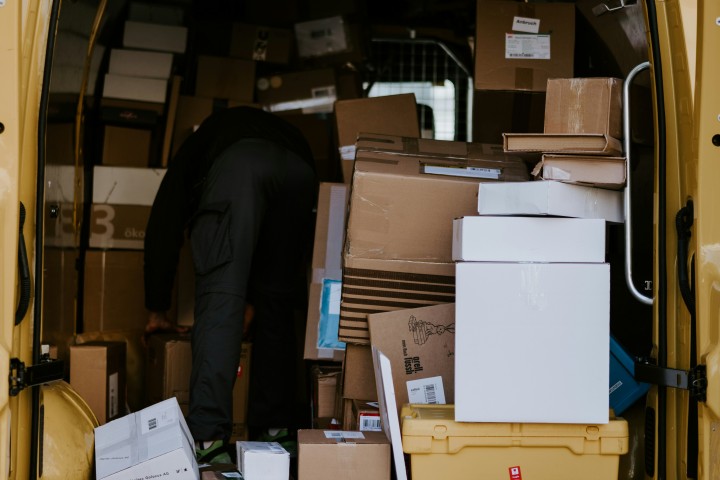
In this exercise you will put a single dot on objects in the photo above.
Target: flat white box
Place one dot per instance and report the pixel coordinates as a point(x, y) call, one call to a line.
point(152, 443)
point(126, 185)
point(532, 342)
point(263, 460)
point(528, 239)
point(547, 197)
point(155, 36)
point(139, 63)
point(135, 88)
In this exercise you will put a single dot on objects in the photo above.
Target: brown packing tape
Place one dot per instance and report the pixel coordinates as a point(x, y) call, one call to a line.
point(394, 285)
point(524, 78)
point(402, 276)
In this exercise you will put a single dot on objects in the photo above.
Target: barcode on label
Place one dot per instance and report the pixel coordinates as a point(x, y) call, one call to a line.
point(152, 423)
point(370, 423)
point(329, 434)
point(429, 391)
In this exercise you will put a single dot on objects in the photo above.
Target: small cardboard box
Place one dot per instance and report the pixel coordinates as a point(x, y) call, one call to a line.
point(321, 342)
point(320, 37)
point(97, 374)
point(358, 374)
point(126, 147)
point(155, 36)
point(588, 170)
point(140, 63)
point(118, 226)
point(140, 89)
point(225, 78)
point(538, 333)
point(420, 344)
point(361, 415)
point(388, 115)
point(519, 46)
point(326, 386)
point(261, 43)
point(353, 455)
point(564, 143)
point(262, 460)
point(306, 91)
point(126, 185)
point(552, 198)
point(528, 239)
point(584, 105)
point(152, 443)
point(168, 364)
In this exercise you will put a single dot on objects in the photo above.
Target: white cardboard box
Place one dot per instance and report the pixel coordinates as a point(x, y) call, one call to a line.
point(155, 36)
point(126, 185)
point(152, 443)
point(139, 63)
point(263, 460)
point(141, 89)
point(532, 342)
point(528, 239)
point(552, 198)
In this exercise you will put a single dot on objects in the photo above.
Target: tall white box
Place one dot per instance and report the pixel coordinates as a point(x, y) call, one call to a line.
point(528, 239)
point(532, 342)
point(263, 460)
point(152, 443)
point(548, 197)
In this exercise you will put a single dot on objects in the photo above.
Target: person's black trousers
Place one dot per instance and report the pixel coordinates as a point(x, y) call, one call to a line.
point(248, 240)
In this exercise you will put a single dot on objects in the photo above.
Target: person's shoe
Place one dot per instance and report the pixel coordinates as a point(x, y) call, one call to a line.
point(216, 453)
point(283, 436)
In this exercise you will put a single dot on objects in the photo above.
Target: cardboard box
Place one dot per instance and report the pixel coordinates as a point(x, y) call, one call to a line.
point(155, 36)
point(168, 364)
point(589, 170)
point(126, 185)
point(420, 344)
point(331, 454)
point(568, 143)
point(118, 226)
point(326, 381)
point(131, 113)
point(114, 290)
point(528, 239)
point(263, 460)
point(140, 63)
point(538, 333)
point(225, 78)
point(241, 390)
point(406, 192)
point(152, 443)
point(519, 46)
point(375, 286)
point(261, 43)
point(584, 105)
point(321, 342)
point(97, 374)
point(306, 91)
point(323, 36)
point(548, 197)
point(135, 88)
point(388, 115)
point(358, 375)
point(362, 416)
point(126, 147)
point(509, 450)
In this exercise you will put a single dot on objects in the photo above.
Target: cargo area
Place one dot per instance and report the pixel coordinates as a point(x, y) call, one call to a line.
point(463, 309)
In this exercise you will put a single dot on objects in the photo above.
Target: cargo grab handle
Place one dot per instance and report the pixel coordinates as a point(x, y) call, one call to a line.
point(628, 215)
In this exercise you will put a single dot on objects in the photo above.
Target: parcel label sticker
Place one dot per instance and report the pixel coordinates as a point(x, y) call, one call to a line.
point(527, 46)
point(525, 24)
point(515, 473)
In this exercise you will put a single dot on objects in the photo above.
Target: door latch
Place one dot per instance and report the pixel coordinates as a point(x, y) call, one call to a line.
point(693, 380)
point(23, 376)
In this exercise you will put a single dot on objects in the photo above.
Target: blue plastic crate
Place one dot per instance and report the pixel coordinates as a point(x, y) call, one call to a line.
point(624, 389)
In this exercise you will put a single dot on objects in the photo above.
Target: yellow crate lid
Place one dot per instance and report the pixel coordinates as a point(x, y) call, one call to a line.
point(424, 426)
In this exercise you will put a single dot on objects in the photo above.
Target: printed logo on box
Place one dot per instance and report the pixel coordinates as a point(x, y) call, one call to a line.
point(515, 473)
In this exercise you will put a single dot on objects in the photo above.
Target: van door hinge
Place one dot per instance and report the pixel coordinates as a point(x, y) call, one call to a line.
point(606, 7)
point(693, 380)
point(22, 376)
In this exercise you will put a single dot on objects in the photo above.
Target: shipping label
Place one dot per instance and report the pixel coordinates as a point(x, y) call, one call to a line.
point(527, 46)
point(426, 391)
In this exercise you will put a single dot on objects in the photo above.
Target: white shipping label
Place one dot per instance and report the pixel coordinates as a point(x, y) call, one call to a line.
point(340, 434)
point(426, 390)
point(113, 408)
point(347, 152)
point(152, 419)
point(527, 46)
point(369, 423)
point(525, 24)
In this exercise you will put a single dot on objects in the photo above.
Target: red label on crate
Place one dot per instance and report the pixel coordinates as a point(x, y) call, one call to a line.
point(515, 473)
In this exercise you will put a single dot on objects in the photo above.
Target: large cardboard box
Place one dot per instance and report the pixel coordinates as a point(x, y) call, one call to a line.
point(552, 198)
point(306, 91)
point(152, 443)
point(118, 226)
point(126, 147)
point(519, 46)
point(168, 364)
point(321, 342)
point(155, 36)
point(261, 43)
point(406, 192)
point(225, 78)
point(584, 105)
point(388, 115)
point(126, 185)
point(538, 333)
point(420, 344)
point(331, 454)
point(528, 239)
point(97, 374)
point(358, 374)
point(113, 290)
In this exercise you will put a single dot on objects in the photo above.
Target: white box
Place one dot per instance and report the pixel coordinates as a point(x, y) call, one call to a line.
point(139, 63)
point(532, 342)
point(548, 197)
point(126, 185)
point(154, 36)
point(263, 460)
point(152, 443)
point(135, 88)
point(325, 36)
point(528, 239)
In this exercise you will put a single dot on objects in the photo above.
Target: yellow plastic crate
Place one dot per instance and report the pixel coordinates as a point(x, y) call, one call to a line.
point(440, 447)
